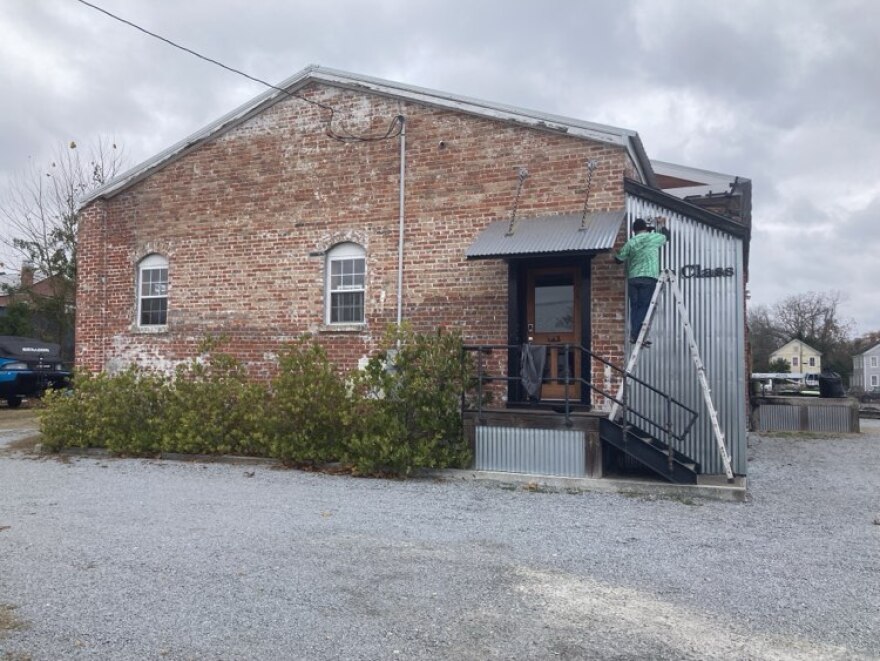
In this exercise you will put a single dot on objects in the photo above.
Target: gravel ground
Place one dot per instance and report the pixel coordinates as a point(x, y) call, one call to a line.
point(141, 559)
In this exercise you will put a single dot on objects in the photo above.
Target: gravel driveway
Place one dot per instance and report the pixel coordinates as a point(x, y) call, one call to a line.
point(140, 559)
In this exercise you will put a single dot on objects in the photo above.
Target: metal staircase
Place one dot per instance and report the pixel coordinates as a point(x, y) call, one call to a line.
point(650, 452)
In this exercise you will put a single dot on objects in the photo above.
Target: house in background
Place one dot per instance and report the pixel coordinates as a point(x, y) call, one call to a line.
point(345, 203)
point(800, 356)
point(866, 369)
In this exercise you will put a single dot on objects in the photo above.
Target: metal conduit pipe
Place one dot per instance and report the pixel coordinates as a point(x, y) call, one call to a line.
point(402, 120)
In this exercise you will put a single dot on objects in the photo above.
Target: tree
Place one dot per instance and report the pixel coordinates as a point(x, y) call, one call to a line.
point(865, 342)
point(814, 318)
point(779, 366)
point(39, 208)
point(764, 337)
point(16, 320)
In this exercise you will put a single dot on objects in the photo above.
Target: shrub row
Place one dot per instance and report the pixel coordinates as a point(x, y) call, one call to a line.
point(401, 412)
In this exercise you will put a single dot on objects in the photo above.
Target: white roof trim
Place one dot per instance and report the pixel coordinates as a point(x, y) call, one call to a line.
point(625, 138)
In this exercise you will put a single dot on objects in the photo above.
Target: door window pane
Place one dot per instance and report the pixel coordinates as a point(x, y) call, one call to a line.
point(554, 308)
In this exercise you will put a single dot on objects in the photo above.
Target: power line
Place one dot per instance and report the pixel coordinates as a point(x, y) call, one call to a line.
point(394, 128)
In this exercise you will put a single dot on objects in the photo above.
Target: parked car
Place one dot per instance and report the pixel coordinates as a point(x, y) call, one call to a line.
point(28, 368)
point(872, 395)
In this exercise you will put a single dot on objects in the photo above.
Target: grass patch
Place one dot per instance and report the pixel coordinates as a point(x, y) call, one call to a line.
point(27, 444)
point(670, 497)
point(15, 419)
point(807, 435)
point(9, 621)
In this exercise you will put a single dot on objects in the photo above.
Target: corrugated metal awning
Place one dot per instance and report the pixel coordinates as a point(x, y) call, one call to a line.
point(547, 235)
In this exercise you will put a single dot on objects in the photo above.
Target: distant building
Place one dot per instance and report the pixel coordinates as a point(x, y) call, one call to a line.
point(866, 368)
point(800, 356)
point(7, 281)
point(31, 286)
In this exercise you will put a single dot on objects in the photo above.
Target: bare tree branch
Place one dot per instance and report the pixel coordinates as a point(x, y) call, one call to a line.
point(38, 210)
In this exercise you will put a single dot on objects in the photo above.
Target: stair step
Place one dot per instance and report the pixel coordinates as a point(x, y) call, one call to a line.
point(655, 458)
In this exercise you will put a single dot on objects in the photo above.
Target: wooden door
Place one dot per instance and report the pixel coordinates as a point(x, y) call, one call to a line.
point(554, 319)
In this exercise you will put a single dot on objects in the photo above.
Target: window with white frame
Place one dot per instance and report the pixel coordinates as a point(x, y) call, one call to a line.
point(873, 361)
point(875, 379)
point(345, 284)
point(152, 291)
point(794, 361)
point(812, 362)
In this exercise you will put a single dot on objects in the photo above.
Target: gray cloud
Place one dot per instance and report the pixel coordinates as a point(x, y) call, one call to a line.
point(786, 93)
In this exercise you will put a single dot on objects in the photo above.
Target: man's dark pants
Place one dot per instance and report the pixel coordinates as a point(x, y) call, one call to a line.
point(640, 292)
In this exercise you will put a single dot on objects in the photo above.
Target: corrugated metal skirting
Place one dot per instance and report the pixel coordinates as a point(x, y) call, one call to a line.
point(779, 418)
point(818, 418)
point(559, 452)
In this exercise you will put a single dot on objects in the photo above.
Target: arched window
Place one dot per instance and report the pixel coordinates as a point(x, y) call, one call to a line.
point(152, 291)
point(345, 284)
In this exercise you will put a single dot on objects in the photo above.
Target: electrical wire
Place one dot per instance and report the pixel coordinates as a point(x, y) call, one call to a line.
point(395, 127)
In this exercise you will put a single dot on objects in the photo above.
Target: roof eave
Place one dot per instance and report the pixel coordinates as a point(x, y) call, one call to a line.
point(624, 138)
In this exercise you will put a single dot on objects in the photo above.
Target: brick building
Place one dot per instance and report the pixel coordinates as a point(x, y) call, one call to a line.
point(274, 221)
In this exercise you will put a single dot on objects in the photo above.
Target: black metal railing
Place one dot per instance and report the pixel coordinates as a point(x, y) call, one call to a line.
point(670, 404)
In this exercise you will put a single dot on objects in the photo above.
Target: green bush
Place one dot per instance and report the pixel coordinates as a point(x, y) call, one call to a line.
point(122, 413)
point(409, 405)
point(212, 408)
point(64, 416)
point(309, 413)
point(401, 413)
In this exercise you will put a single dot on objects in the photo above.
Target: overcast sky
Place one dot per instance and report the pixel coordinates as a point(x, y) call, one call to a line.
point(784, 93)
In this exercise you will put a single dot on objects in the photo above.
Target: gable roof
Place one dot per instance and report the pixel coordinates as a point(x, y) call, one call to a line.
point(625, 138)
point(870, 349)
point(796, 341)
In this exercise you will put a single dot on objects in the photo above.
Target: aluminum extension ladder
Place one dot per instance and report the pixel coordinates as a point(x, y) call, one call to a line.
point(667, 279)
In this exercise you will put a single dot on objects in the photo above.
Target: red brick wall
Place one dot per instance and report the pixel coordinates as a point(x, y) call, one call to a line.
point(238, 217)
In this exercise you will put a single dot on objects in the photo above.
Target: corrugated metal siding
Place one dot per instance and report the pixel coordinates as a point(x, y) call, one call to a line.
point(548, 234)
point(522, 450)
point(717, 310)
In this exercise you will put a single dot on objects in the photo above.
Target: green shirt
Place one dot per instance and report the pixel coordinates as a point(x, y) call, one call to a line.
point(641, 255)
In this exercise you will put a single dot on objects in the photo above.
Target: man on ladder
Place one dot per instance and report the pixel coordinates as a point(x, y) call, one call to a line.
point(641, 254)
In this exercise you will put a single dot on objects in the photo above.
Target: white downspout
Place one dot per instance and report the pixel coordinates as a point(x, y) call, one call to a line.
point(400, 224)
